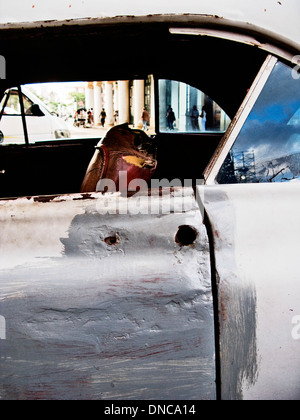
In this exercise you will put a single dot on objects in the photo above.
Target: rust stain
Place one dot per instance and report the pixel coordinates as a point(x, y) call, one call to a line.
point(113, 239)
point(59, 198)
point(224, 302)
point(85, 196)
point(44, 198)
point(217, 235)
point(152, 280)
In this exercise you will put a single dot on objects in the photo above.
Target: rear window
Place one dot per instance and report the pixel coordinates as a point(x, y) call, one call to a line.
point(186, 109)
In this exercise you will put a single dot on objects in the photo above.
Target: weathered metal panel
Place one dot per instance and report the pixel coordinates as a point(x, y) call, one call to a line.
point(256, 233)
point(280, 17)
point(105, 306)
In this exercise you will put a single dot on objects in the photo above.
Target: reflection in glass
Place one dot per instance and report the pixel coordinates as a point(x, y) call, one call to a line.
point(183, 108)
point(267, 148)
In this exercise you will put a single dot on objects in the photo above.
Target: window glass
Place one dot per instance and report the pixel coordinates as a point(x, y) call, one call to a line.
point(77, 110)
point(13, 104)
point(267, 148)
point(183, 108)
point(11, 124)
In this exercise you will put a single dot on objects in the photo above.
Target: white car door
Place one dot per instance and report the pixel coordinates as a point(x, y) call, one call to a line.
point(105, 297)
point(136, 303)
point(252, 199)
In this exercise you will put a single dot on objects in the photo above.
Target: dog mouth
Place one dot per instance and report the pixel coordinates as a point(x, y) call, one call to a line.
point(143, 163)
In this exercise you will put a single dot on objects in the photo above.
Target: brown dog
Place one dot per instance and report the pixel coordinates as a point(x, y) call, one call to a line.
point(121, 149)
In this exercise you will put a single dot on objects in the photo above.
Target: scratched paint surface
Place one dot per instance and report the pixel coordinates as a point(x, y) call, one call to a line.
point(88, 317)
point(256, 239)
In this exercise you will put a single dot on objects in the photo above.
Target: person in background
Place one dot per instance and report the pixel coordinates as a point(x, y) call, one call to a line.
point(102, 117)
point(170, 118)
point(203, 119)
point(195, 119)
point(145, 118)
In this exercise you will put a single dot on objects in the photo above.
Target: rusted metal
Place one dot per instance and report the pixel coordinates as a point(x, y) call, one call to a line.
point(104, 296)
point(195, 21)
point(99, 299)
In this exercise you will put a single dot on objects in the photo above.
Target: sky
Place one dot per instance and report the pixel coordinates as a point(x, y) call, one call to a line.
point(281, 16)
point(270, 130)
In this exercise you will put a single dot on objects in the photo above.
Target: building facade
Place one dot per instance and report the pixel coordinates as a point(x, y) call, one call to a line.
point(124, 101)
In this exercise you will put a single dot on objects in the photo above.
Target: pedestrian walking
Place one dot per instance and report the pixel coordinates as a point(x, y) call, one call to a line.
point(145, 118)
point(195, 118)
point(170, 118)
point(102, 117)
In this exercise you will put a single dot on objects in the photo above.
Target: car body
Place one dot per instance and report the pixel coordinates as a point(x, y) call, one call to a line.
point(42, 124)
point(188, 290)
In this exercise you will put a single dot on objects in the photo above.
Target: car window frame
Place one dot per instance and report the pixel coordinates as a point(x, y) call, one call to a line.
point(25, 130)
point(214, 166)
point(11, 92)
point(22, 113)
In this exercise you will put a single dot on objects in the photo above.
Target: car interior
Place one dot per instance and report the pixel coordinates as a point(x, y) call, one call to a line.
point(222, 69)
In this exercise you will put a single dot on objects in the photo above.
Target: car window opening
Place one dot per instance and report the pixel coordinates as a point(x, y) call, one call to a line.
point(65, 122)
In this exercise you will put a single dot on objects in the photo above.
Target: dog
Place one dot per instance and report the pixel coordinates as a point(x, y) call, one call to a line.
point(122, 149)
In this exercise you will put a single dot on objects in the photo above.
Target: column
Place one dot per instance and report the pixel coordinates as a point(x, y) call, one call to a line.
point(162, 105)
point(123, 101)
point(181, 124)
point(139, 102)
point(152, 111)
point(109, 105)
point(116, 99)
point(89, 95)
point(97, 102)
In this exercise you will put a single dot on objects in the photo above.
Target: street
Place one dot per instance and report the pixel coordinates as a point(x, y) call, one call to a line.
point(95, 131)
point(91, 132)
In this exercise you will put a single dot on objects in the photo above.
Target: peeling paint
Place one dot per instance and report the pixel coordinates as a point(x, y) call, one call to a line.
point(236, 302)
point(94, 304)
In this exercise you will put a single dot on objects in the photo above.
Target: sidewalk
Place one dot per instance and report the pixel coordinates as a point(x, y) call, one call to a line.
point(94, 131)
point(89, 132)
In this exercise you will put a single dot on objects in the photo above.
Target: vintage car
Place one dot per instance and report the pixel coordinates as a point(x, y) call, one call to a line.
point(42, 123)
point(184, 283)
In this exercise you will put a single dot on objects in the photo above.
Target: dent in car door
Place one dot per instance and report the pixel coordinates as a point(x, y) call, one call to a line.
point(102, 300)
